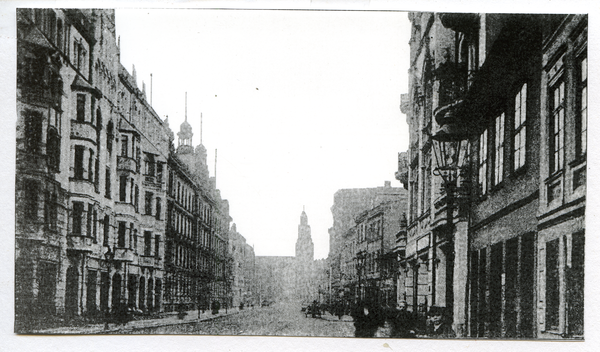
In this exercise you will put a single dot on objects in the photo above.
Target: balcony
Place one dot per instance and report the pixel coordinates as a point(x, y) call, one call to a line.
point(123, 255)
point(83, 130)
point(153, 182)
point(148, 261)
point(125, 163)
point(81, 186)
point(461, 22)
point(452, 79)
point(80, 243)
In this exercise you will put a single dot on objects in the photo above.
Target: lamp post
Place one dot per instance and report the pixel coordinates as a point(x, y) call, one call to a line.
point(451, 152)
point(109, 257)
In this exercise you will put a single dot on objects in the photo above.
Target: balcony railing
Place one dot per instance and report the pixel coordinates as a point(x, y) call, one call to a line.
point(80, 243)
point(147, 261)
point(125, 163)
point(83, 130)
point(123, 254)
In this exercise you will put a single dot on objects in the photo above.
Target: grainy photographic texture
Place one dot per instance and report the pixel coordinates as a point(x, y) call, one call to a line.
point(120, 229)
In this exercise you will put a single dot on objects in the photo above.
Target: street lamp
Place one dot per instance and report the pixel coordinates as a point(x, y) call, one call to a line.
point(451, 147)
point(109, 256)
point(451, 152)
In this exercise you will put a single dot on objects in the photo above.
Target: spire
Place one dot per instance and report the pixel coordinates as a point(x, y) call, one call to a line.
point(185, 132)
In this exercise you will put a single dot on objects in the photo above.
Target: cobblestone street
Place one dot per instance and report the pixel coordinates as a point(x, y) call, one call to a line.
point(277, 320)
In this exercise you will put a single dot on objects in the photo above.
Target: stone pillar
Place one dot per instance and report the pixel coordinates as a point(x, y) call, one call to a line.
point(461, 274)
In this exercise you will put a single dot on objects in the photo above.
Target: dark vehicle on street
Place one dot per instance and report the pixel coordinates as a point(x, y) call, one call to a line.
point(314, 309)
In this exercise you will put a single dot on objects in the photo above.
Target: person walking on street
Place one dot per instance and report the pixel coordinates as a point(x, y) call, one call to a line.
point(439, 326)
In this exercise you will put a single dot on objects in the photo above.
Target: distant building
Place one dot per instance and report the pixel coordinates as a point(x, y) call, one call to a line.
point(348, 205)
point(243, 267)
point(276, 279)
point(295, 279)
point(374, 238)
point(304, 259)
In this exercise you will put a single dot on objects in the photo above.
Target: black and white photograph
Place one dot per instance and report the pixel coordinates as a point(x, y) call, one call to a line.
point(358, 171)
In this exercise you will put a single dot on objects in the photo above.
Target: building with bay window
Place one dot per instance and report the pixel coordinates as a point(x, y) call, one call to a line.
point(497, 113)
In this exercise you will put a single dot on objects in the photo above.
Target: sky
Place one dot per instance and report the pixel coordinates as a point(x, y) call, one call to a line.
point(298, 104)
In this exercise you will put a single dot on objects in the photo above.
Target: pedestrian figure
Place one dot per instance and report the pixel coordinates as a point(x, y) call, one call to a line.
point(402, 321)
point(120, 314)
point(367, 318)
point(438, 324)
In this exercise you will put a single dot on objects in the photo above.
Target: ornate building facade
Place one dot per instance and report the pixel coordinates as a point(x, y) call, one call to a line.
point(497, 113)
point(108, 212)
point(84, 243)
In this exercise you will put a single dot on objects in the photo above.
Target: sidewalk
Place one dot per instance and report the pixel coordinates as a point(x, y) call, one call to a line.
point(166, 320)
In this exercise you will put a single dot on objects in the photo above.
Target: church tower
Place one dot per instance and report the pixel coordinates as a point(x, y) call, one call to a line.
point(305, 253)
point(305, 249)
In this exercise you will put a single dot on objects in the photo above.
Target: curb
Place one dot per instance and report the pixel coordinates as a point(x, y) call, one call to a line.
point(125, 329)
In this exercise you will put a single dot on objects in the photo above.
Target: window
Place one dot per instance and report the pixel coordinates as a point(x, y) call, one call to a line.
point(109, 136)
point(149, 164)
point(89, 220)
point(77, 218)
point(131, 235)
point(581, 122)
point(91, 166)
point(121, 234)
point(98, 118)
point(81, 107)
point(557, 124)
point(552, 285)
point(159, 172)
point(78, 167)
point(59, 34)
point(520, 131)
point(147, 243)
point(137, 197)
point(427, 185)
point(107, 183)
point(53, 150)
point(148, 203)
point(106, 228)
point(124, 146)
point(31, 191)
point(33, 131)
point(122, 188)
point(80, 54)
point(158, 208)
point(499, 149)
point(483, 161)
point(50, 210)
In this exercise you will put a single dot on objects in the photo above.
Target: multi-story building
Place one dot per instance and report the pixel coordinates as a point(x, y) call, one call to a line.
point(376, 260)
point(497, 113)
point(242, 271)
point(347, 205)
point(93, 163)
point(198, 261)
point(83, 243)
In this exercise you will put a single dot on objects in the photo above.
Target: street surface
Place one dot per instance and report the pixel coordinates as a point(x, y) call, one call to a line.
point(277, 320)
